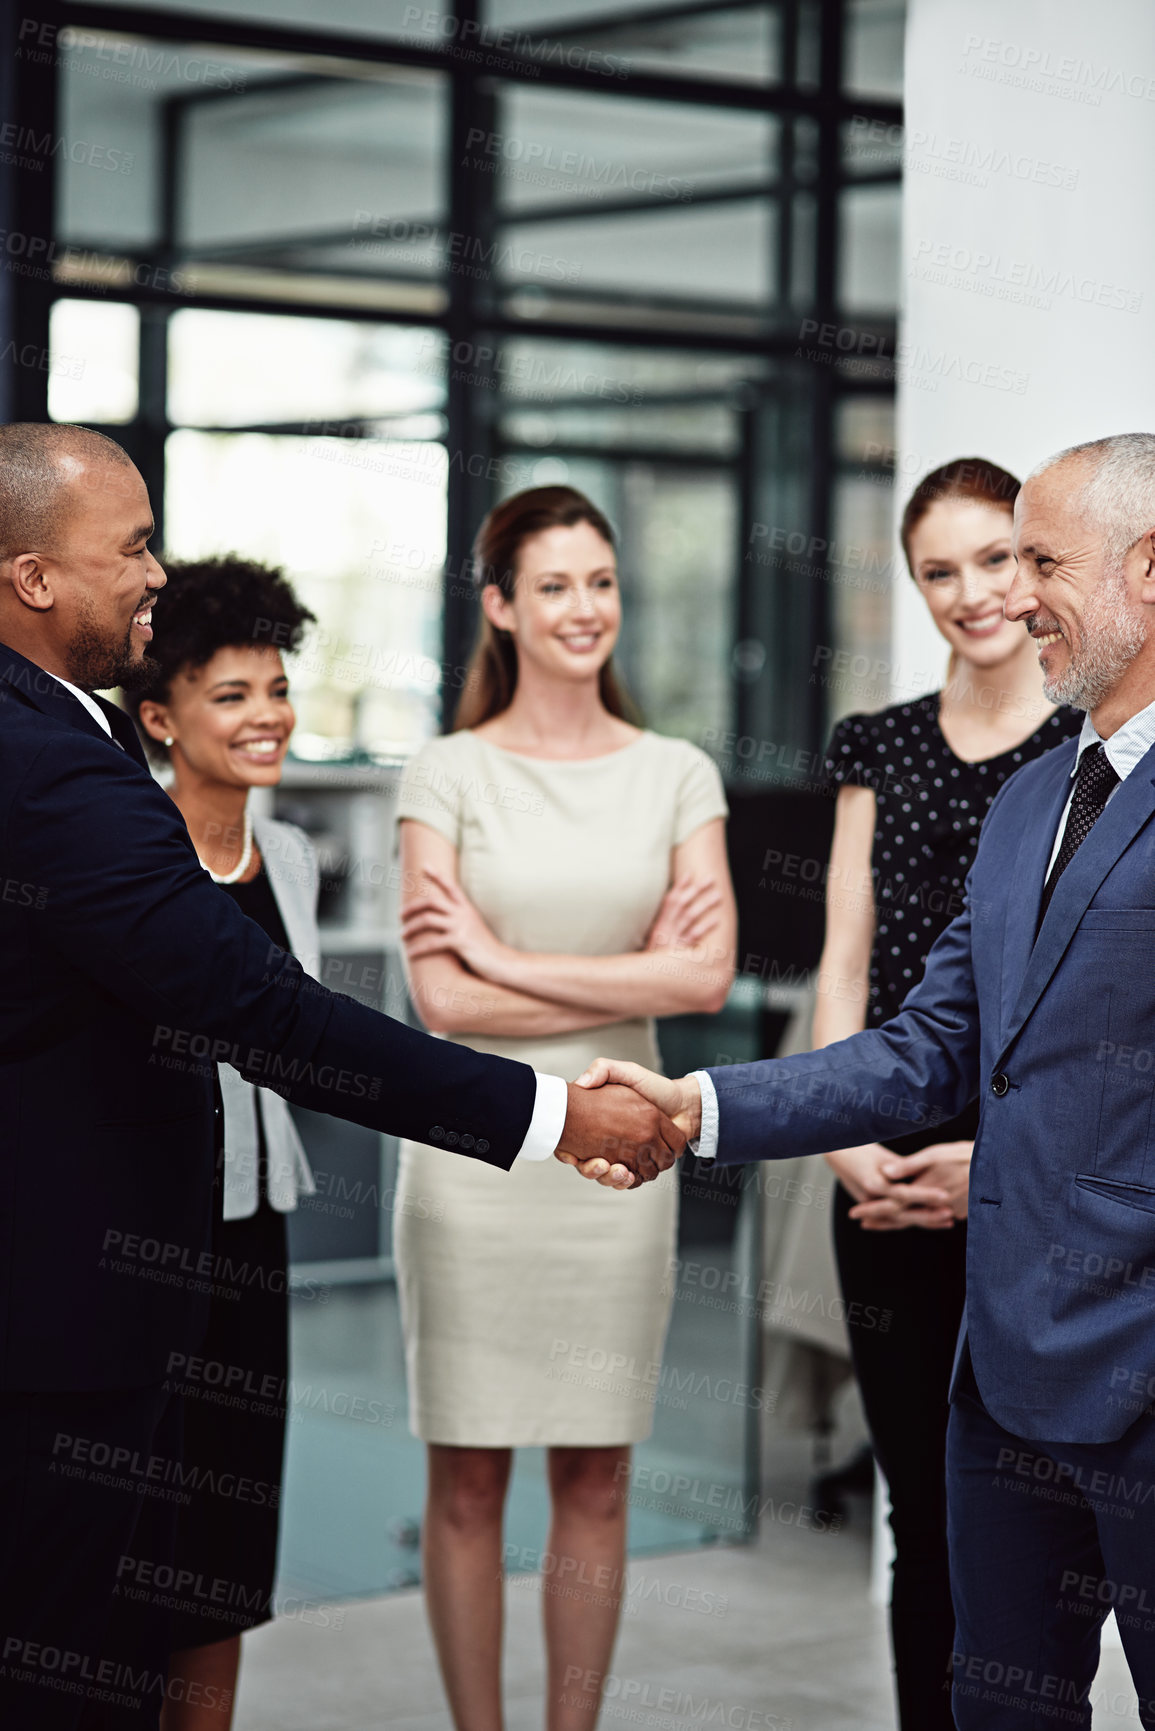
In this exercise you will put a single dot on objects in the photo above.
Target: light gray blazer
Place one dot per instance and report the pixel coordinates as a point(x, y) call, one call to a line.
point(291, 863)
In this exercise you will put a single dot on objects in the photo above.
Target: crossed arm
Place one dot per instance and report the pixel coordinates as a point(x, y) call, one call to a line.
point(464, 980)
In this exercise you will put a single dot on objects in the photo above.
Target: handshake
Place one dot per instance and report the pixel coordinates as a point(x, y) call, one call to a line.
point(624, 1124)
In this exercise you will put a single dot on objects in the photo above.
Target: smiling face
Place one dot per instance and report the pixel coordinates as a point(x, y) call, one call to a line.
point(960, 555)
point(565, 613)
point(230, 720)
point(1082, 610)
point(96, 582)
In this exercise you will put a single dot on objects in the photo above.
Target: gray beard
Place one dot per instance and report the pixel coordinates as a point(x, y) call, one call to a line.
point(1112, 633)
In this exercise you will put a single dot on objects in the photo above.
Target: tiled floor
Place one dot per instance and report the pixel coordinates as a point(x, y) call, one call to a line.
point(789, 1639)
point(780, 1634)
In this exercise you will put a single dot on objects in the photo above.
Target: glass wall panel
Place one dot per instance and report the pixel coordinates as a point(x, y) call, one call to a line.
point(252, 174)
point(391, 19)
point(863, 575)
point(616, 204)
point(868, 275)
point(740, 42)
point(359, 525)
point(318, 173)
point(872, 47)
point(569, 148)
point(679, 538)
point(622, 399)
point(113, 94)
point(244, 369)
point(870, 146)
point(708, 429)
point(680, 255)
point(863, 568)
point(865, 432)
point(94, 350)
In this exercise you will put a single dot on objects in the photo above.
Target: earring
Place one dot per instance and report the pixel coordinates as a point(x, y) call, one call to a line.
point(168, 740)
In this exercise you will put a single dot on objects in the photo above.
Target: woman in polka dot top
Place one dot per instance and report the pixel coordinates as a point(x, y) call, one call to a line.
point(914, 785)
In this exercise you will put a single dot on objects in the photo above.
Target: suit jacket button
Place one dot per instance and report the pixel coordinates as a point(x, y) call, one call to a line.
point(999, 1084)
point(482, 1145)
point(437, 1133)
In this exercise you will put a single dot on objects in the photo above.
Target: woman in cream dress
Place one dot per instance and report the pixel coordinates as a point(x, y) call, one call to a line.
point(565, 881)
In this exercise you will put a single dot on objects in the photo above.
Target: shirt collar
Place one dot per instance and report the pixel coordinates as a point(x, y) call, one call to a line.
point(1127, 746)
point(88, 701)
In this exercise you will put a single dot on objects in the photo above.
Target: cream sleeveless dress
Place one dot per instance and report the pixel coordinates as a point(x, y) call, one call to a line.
point(534, 1303)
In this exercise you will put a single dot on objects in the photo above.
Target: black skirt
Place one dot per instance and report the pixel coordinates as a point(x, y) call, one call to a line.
point(235, 1398)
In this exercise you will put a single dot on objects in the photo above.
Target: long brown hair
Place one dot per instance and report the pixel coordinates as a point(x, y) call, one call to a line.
point(491, 677)
point(971, 478)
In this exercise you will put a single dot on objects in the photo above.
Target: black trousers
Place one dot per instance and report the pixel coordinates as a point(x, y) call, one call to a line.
point(909, 1287)
point(234, 1395)
point(89, 1484)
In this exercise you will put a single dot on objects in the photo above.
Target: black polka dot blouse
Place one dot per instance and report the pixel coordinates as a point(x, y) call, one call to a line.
point(930, 807)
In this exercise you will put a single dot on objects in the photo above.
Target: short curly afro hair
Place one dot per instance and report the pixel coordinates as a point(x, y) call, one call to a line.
point(211, 604)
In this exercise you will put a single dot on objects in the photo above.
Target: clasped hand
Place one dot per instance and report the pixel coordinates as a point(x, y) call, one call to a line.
point(892, 1192)
point(626, 1124)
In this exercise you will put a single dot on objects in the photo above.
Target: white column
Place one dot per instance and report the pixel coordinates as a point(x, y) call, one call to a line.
point(1028, 247)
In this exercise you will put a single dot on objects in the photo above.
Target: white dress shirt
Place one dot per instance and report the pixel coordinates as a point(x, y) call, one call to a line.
point(548, 1120)
point(551, 1101)
point(1125, 749)
point(88, 701)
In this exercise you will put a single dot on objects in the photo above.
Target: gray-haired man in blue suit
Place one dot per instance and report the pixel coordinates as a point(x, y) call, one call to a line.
point(1040, 1001)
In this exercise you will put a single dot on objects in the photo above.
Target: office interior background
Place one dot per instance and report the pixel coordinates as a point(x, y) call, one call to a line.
point(339, 279)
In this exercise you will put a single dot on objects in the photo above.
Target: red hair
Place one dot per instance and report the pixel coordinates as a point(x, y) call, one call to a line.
point(971, 478)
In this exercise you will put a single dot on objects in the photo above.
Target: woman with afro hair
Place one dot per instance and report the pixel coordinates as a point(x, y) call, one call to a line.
point(217, 711)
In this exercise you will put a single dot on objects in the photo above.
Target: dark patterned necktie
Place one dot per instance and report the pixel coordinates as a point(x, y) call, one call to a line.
point(1094, 781)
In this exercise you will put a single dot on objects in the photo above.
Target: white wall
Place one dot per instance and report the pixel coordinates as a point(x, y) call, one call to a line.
point(1028, 249)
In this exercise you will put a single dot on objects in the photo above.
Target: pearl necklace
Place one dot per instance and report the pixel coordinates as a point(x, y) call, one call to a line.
point(243, 863)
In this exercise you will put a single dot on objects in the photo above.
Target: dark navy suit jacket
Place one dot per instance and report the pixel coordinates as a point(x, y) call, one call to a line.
point(125, 976)
point(1056, 1038)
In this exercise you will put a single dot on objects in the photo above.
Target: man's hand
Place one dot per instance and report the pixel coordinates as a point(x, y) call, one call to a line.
point(616, 1136)
point(680, 1099)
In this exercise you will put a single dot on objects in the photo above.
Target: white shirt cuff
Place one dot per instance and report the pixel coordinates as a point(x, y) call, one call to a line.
point(548, 1121)
point(706, 1146)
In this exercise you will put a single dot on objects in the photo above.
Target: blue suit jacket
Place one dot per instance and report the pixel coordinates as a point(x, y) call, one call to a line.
point(1056, 1037)
point(126, 974)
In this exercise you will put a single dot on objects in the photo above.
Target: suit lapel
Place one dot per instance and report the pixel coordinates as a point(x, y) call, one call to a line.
point(1127, 813)
point(39, 690)
point(123, 731)
point(1040, 820)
